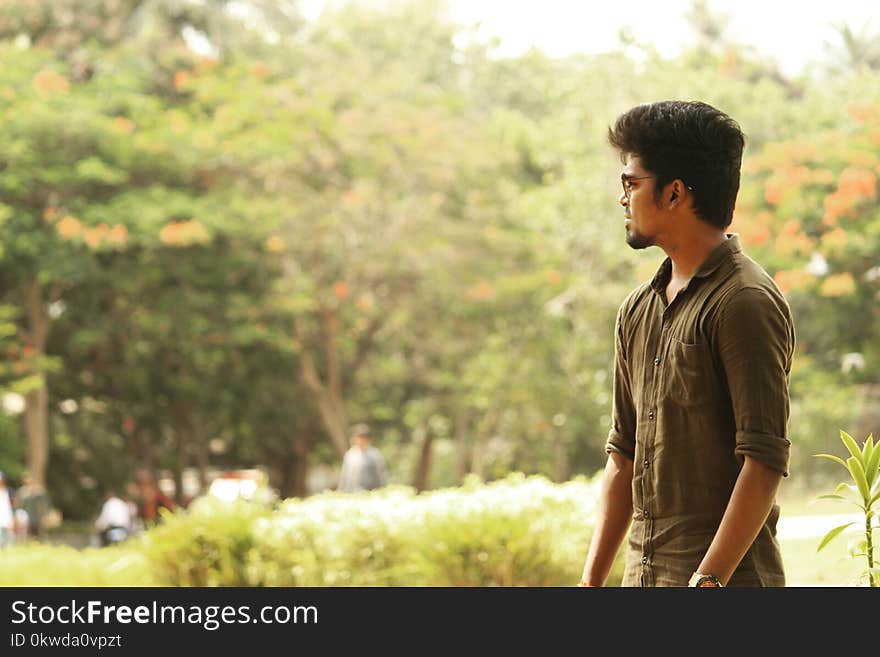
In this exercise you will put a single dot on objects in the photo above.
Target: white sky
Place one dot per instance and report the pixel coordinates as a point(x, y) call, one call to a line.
point(791, 32)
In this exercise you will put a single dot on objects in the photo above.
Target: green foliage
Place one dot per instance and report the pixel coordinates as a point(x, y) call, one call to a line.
point(521, 531)
point(863, 467)
point(209, 544)
point(49, 565)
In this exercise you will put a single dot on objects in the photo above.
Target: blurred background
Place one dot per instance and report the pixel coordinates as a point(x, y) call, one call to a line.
point(232, 229)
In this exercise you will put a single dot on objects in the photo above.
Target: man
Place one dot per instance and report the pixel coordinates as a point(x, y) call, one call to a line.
point(114, 523)
point(698, 444)
point(363, 467)
point(33, 499)
point(7, 514)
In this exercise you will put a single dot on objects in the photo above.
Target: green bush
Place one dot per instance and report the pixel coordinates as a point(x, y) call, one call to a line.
point(515, 532)
point(209, 544)
point(520, 531)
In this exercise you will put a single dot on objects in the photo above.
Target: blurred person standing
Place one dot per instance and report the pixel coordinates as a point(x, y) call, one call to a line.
point(699, 440)
point(34, 501)
point(7, 515)
point(150, 499)
point(114, 524)
point(363, 467)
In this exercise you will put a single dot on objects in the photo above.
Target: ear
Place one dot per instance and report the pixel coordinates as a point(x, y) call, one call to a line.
point(676, 193)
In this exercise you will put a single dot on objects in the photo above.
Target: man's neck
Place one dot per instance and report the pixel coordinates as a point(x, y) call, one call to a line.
point(689, 250)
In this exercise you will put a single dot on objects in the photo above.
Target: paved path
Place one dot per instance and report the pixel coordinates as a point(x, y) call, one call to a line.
point(795, 527)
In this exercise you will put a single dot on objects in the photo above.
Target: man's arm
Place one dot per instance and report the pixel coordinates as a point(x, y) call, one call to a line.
point(749, 505)
point(755, 341)
point(613, 518)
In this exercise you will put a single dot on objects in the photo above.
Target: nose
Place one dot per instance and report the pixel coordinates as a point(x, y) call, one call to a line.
point(622, 199)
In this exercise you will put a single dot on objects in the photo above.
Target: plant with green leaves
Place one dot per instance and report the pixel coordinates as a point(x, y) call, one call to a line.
point(863, 466)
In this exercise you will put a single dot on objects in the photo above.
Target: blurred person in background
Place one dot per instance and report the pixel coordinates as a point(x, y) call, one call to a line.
point(151, 499)
point(7, 514)
point(34, 501)
point(114, 524)
point(699, 441)
point(363, 467)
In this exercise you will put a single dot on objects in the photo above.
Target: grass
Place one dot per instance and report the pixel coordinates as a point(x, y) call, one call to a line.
point(831, 567)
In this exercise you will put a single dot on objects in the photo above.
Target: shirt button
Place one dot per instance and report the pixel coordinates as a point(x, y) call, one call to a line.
point(644, 559)
point(647, 463)
point(657, 360)
point(646, 514)
point(650, 415)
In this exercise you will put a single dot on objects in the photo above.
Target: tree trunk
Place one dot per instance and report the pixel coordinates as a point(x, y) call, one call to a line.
point(327, 398)
point(300, 470)
point(423, 464)
point(560, 454)
point(203, 460)
point(36, 414)
point(181, 433)
point(481, 449)
point(462, 444)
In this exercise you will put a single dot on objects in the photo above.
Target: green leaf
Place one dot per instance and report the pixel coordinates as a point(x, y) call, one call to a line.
point(832, 534)
point(873, 464)
point(840, 488)
point(858, 474)
point(836, 459)
point(851, 445)
point(832, 496)
point(873, 499)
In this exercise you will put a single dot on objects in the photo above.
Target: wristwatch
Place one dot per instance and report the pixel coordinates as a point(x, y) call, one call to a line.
point(702, 579)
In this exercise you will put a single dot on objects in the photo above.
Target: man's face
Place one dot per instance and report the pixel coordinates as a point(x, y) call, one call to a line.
point(361, 441)
point(643, 220)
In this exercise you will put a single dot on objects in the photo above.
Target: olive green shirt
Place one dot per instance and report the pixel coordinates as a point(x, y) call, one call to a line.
point(700, 383)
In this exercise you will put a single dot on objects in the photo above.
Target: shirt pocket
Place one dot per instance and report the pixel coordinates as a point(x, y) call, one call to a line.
point(691, 380)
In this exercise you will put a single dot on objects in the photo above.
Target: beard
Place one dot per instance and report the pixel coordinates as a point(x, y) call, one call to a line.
point(637, 241)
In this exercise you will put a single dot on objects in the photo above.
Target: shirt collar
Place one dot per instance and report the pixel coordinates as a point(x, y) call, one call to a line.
point(718, 256)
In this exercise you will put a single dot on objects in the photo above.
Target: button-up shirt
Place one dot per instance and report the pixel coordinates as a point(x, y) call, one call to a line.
point(700, 383)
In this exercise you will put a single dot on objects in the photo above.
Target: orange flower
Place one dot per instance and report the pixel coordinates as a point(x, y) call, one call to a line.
point(259, 70)
point(755, 234)
point(181, 78)
point(340, 290)
point(69, 227)
point(118, 235)
point(93, 238)
point(48, 83)
point(838, 285)
point(863, 111)
point(836, 205)
point(857, 183)
point(554, 277)
point(834, 240)
point(50, 214)
point(482, 291)
point(123, 125)
point(275, 244)
point(792, 279)
point(170, 234)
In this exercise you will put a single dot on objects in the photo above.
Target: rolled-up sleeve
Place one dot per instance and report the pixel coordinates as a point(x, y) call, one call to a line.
point(622, 436)
point(755, 342)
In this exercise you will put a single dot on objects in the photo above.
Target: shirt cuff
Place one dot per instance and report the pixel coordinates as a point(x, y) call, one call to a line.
point(771, 450)
point(617, 443)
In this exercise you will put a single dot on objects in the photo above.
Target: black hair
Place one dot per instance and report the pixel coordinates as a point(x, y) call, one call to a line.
point(690, 141)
